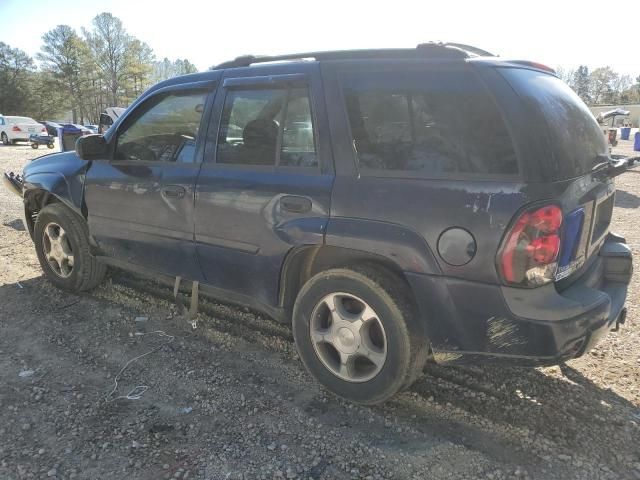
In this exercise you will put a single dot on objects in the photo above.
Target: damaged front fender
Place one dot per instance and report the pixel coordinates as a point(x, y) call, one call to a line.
point(61, 175)
point(13, 182)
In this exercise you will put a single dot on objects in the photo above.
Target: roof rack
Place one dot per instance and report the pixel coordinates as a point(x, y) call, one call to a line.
point(424, 50)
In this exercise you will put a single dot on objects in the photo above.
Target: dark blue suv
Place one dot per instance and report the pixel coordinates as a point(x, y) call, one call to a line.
point(397, 206)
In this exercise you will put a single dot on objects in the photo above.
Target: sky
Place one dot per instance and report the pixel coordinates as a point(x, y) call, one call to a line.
point(560, 33)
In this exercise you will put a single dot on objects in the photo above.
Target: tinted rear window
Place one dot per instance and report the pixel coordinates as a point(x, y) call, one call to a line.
point(573, 136)
point(430, 123)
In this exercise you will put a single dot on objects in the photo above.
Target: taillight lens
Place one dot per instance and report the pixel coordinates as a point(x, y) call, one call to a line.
point(44, 130)
point(16, 128)
point(528, 257)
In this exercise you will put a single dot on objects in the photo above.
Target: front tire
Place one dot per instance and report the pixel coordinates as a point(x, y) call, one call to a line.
point(5, 139)
point(357, 333)
point(62, 245)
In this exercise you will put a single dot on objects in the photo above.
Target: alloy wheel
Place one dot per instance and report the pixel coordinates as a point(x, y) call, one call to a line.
point(348, 337)
point(57, 250)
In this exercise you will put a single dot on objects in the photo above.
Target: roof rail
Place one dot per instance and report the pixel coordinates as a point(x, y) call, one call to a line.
point(424, 50)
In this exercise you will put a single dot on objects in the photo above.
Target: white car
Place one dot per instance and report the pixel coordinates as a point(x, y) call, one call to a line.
point(14, 129)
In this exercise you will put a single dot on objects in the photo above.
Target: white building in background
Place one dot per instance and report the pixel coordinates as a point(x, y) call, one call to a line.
point(634, 114)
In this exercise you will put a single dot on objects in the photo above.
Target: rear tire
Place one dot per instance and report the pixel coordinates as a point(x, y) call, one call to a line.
point(62, 245)
point(382, 355)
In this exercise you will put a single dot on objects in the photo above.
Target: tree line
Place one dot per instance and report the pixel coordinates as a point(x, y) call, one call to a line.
point(602, 85)
point(102, 66)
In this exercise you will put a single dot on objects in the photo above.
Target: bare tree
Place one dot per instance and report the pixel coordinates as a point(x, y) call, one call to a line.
point(167, 69)
point(109, 42)
point(603, 80)
point(566, 75)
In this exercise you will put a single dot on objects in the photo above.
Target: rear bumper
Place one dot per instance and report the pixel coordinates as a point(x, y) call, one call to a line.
point(469, 322)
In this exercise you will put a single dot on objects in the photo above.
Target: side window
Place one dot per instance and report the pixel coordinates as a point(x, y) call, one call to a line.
point(267, 127)
point(164, 131)
point(430, 123)
point(298, 140)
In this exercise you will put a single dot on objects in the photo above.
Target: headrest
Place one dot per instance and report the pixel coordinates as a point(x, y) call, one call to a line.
point(260, 133)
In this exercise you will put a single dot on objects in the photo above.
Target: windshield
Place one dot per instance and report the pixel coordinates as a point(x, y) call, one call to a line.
point(574, 139)
point(15, 120)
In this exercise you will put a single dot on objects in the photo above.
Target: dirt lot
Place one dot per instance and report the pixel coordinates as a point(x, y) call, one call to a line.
point(230, 400)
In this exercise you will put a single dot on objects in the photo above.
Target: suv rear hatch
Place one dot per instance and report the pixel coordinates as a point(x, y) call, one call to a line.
point(562, 149)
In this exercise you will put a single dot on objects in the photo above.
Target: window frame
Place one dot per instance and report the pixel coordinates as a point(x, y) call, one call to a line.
point(286, 82)
point(206, 88)
point(373, 70)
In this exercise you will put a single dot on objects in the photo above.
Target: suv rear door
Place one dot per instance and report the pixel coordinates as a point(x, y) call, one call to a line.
point(265, 186)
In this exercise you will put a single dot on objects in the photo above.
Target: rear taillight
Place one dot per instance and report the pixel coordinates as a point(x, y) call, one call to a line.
point(16, 128)
point(528, 256)
point(44, 130)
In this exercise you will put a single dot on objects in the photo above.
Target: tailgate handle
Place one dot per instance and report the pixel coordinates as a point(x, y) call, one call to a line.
point(173, 191)
point(295, 204)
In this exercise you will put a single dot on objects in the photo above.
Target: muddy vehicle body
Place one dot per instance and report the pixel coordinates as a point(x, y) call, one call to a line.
point(395, 206)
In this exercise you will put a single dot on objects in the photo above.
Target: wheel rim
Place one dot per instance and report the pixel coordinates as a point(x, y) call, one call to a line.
point(57, 250)
point(348, 337)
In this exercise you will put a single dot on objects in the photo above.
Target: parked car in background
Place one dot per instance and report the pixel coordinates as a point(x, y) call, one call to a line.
point(17, 129)
point(85, 130)
point(93, 128)
point(74, 128)
point(395, 206)
point(52, 127)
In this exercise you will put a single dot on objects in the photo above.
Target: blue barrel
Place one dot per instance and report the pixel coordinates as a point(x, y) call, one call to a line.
point(624, 133)
point(636, 143)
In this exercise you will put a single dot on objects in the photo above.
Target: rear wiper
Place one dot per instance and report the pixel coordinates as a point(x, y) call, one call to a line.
point(614, 165)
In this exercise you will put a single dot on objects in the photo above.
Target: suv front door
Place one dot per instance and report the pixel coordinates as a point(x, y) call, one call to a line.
point(140, 201)
point(265, 185)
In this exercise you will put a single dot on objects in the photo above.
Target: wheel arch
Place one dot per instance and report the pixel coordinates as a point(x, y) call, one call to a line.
point(304, 262)
point(389, 247)
point(40, 192)
point(393, 247)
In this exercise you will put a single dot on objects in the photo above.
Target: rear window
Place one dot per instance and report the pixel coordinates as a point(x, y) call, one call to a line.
point(574, 137)
point(16, 120)
point(427, 123)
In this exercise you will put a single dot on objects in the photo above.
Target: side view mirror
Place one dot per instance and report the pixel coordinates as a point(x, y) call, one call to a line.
point(92, 147)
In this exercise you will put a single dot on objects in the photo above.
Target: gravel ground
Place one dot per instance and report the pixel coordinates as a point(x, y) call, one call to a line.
point(230, 399)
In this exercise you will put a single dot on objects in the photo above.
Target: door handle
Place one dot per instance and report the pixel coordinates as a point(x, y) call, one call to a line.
point(173, 191)
point(295, 204)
